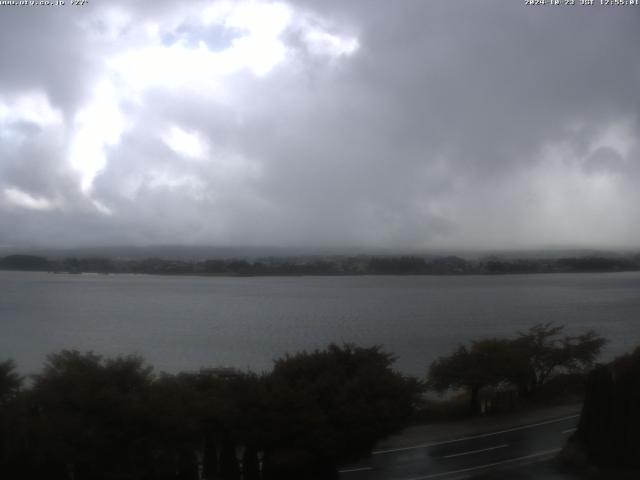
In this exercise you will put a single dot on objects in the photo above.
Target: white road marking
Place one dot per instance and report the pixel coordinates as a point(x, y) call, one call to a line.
point(472, 437)
point(361, 469)
point(568, 430)
point(471, 452)
point(487, 465)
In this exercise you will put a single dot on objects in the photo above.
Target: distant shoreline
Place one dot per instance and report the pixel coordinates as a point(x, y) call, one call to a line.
point(333, 266)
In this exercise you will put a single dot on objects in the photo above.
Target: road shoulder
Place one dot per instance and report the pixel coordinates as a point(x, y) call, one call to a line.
point(443, 431)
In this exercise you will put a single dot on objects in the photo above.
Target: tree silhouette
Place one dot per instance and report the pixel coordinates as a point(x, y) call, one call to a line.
point(609, 428)
point(333, 405)
point(542, 351)
point(484, 363)
point(10, 381)
point(527, 361)
point(87, 417)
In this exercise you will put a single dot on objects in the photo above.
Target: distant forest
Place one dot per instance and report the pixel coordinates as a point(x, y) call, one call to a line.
point(323, 265)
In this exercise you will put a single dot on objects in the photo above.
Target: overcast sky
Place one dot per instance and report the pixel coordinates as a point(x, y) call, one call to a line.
point(357, 123)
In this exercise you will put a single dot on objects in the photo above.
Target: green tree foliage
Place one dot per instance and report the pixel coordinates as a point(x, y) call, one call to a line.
point(10, 381)
point(86, 417)
point(609, 428)
point(527, 361)
point(596, 264)
point(90, 416)
point(24, 262)
point(322, 265)
point(10, 384)
point(332, 405)
point(485, 363)
point(543, 351)
point(226, 408)
point(397, 265)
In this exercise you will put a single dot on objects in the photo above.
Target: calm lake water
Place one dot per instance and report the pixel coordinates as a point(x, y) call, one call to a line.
point(183, 323)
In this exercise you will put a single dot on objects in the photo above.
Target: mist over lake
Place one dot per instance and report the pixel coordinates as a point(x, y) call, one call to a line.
point(183, 323)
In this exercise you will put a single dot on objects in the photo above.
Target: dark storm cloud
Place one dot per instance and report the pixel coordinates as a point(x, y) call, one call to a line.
point(407, 125)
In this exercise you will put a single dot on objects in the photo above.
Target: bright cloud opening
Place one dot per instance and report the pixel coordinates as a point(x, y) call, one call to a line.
point(258, 47)
point(32, 107)
point(98, 125)
point(323, 43)
point(22, 199)
point(185, 143)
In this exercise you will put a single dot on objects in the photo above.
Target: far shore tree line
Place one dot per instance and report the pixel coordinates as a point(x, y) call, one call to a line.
point(324, 265)
point(85, 416)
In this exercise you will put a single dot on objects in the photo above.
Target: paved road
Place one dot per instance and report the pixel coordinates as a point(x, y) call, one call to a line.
point(466, 457)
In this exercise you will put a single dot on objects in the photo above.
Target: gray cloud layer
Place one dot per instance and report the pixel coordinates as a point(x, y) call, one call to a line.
point(376, 124)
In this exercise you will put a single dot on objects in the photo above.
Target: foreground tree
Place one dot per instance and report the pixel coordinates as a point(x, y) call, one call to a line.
point(10, 381)
point(331, 406)
point(527, 361)
point(543, 351)
point(609, 428)
point(226, 411)
point(89, 417)
point(10, 384)
point(485, 363)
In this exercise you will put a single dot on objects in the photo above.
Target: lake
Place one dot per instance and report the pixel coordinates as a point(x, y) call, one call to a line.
point(183, 323)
